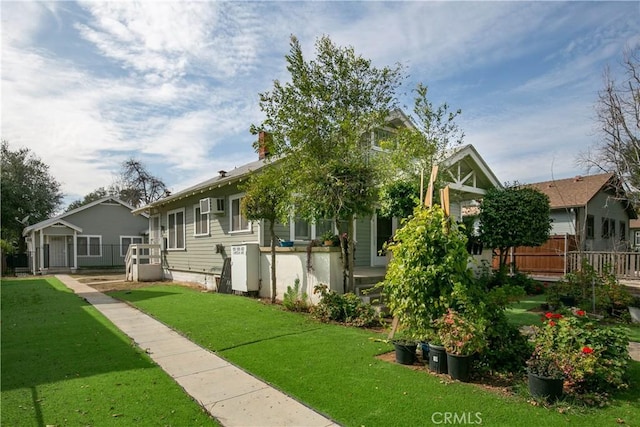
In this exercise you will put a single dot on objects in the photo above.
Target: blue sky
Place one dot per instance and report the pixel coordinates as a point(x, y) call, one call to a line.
point(86, 85)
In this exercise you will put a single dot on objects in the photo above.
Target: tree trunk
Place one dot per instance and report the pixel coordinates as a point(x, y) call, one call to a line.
point(273, 261)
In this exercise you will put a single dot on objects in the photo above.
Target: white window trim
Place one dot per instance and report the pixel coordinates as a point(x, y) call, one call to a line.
point(637, 238)
point(184, 232)
point(196, 220)
point(249, 225)
point(123, 254)
point(88, 237)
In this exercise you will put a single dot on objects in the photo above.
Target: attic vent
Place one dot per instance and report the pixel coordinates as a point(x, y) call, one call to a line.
point(222, 173)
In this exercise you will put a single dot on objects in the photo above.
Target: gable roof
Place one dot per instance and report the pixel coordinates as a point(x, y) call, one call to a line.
point(485, 179)
point(578, 191)
point(59, 218)
point(574, 192)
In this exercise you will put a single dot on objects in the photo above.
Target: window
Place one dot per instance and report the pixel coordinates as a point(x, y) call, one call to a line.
point(623, 231)
point(301, 229)
point(200, 222)
point(608, 228)
point(590, 227)
point(125, 241)
point(238, 221)
point(637, 239)
point(175, 227)
point(89, 245)
point(322, 226)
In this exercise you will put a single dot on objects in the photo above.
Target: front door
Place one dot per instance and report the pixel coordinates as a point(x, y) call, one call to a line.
point(58, 251)
point(382, 229)
point(155, 234)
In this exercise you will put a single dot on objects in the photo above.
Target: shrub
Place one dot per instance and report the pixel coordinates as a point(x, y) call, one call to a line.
point(294, 299)
point(429, 258)
point(507, 349)
point(344, 308)
point(592, 358)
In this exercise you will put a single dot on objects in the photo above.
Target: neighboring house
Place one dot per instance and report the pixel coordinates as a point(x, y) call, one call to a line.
point(592, 208)
point(97, 234)
point(199, 226)
point(634, 234)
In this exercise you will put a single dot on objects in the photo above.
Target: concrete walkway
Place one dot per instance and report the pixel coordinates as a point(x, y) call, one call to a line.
point(232, 396)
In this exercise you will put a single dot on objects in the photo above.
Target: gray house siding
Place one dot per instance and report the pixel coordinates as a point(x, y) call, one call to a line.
point(606, 207)
point(200, 252)
point(562, 222)
point(110, 220)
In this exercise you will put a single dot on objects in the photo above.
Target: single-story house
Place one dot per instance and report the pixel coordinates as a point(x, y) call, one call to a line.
point(592, 208)
point(97, 234)
point(200, 227)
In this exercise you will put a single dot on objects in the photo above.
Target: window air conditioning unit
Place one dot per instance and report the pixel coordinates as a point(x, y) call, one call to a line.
point(217, 206)
point(205, 206)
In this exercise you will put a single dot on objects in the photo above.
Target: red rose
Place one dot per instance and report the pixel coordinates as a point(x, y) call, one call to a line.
point(557, 316)
point(548, 315)
point(587, 350)
point(580, 313)
point(552, 323)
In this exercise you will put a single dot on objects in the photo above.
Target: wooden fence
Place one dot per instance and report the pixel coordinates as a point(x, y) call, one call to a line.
point(559, 255)
point(545, 260)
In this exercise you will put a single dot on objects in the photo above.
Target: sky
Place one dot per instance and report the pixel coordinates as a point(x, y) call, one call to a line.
point(87, 85)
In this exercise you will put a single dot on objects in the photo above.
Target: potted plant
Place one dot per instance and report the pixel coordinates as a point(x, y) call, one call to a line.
point(405, 348)
point(573, 354)
point(328, 238)
point(461, 338)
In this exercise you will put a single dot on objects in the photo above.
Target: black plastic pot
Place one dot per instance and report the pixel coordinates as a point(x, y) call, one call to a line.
point(437, 359)
point(405, 352)
point(459, 366)
point(545, 387)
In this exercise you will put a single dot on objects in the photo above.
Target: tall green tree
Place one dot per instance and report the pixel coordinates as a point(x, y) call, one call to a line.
point(266, 198)
point(514, 216)
point(618, 116)
point(29, 192)
point(412, 151)
point(317, 120)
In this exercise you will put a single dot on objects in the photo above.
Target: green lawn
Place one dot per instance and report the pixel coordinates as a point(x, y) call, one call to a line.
point(334, 370)
point(64, 364)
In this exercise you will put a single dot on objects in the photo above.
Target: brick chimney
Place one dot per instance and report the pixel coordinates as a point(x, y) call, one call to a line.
point(264, 141)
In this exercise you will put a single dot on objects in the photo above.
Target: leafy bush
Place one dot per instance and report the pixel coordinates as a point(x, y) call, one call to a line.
point(429, 258)
point(593, 359)
point(294, 299)
point(344, 308)
point(507, 349)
